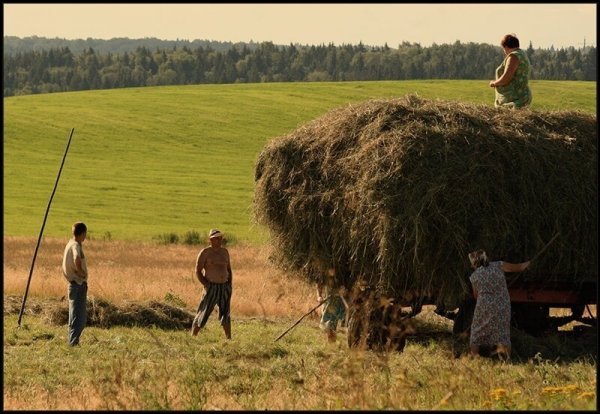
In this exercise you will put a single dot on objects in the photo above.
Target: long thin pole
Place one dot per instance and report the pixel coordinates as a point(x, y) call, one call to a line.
point(538, 254)
point(544, 248)
point(300, 320)
point(43, 225)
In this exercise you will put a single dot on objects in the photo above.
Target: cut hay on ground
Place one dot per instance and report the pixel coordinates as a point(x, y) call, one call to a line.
point(103, 314)
point(397, 192)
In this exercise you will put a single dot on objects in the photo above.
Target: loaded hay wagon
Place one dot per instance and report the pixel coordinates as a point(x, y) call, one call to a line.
point(393, 194)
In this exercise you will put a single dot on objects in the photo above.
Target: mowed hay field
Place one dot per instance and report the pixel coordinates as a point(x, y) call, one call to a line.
point(153, 161)
point(146, 368)
point(124, 271)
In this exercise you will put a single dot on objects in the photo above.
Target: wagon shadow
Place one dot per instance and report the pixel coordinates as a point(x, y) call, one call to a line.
point(561, 346)
point(578, 343)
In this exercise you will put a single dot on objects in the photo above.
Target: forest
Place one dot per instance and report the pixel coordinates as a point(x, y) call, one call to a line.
point(53, 65)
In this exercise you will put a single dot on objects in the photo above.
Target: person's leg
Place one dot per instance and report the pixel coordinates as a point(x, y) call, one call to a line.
point(201, 318)
point(503, 351)
point(195, 327)
point(331, 335)
point(225, 308)
point(474, 350)
point(227, 329)
point(207, 304)
point(72, 294)
point(77, 311)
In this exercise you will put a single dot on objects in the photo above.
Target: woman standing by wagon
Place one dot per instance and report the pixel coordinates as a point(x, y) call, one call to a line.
point(491, 319)
point(512, 76)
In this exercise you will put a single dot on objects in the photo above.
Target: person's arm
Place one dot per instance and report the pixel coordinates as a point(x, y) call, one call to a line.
point(474, 291)
point(319, 292)
point(79, 269)
point(78, 266)
point(229, 268)
point(515, 267)
point(200, 262)
point(509, 72)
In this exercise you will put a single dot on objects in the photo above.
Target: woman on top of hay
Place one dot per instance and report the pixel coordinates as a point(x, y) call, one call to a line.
point(491, 319)
point(512, 87)
point(216, 279)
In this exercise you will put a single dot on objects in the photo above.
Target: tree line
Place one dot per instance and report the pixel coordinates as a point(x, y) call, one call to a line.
point(15, 44)
point(59, 69)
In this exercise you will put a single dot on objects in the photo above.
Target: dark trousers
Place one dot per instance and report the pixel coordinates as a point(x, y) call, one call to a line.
point(218, 294)
point(77, 311)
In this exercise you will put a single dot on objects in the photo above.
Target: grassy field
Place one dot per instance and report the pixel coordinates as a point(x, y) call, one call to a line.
point(152, 162)
point(144, 368)
point(147, 368)
point(145, 162)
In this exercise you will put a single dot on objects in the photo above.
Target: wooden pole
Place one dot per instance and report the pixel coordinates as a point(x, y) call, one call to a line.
point(538, 254)
point(544, 248)
point(42, 229)
point(300, 320)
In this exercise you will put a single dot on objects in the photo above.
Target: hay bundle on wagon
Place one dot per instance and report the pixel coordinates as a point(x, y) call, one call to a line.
point(396, 192)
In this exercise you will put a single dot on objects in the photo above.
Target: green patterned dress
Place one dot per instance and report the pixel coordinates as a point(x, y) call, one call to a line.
point(517, 93)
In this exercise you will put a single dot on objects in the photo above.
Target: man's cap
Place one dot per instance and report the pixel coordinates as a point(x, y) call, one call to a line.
point(214, 233)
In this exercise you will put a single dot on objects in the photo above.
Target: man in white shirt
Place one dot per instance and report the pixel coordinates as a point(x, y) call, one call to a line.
point(75, 271)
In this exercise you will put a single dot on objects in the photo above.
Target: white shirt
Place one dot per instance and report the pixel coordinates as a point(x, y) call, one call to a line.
point(72, 251)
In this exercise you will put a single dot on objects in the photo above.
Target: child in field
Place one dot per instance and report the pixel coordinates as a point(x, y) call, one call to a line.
point(335, 307)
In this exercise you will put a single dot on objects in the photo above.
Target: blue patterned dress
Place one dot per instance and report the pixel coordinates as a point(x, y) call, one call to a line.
point(491, 320)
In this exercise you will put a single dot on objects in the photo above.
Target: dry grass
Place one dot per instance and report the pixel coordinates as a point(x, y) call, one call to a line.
point(123, 271)
point(150, 369)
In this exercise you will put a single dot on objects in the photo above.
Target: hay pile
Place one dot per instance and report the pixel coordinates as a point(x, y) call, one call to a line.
point(397, 192)
point(103, 314)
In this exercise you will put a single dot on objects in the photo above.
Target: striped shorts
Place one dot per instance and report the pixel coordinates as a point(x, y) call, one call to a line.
point(216, 294)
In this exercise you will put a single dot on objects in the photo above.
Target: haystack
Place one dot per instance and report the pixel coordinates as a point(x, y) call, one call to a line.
point(103, 314)
point(395, 193)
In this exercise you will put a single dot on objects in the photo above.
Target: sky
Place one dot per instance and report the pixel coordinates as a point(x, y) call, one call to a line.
point(544, 25)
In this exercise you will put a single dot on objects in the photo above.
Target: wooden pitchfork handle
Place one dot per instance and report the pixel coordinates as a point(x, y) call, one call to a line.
point(300, 320)
point(544, 248)
point(537, 255)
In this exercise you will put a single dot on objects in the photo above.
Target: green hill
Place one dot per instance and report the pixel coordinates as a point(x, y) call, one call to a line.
point(149, 161)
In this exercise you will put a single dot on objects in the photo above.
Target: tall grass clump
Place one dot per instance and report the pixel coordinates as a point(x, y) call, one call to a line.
point(166, 238)
point(192, 237)
point(396, 192)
